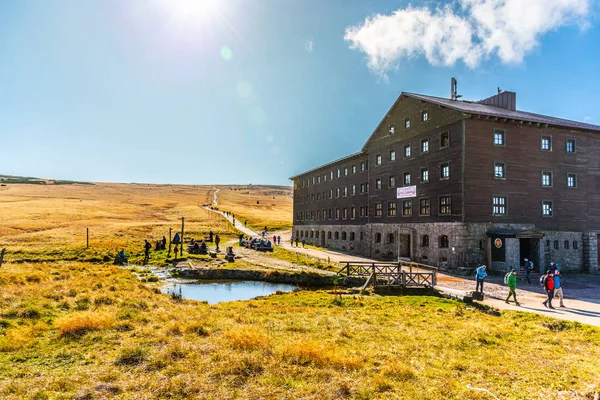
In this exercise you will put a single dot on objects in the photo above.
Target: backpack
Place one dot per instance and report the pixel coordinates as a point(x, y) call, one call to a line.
point(506, 278)
point(542, 280)
point(530, 266)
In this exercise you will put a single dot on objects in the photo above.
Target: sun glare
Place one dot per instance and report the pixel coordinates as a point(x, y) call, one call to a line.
point(192, 11)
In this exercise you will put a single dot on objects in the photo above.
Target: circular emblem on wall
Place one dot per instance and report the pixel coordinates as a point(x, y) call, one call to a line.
point(498, 243)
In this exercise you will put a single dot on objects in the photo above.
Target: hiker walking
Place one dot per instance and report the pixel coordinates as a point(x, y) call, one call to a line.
point(296, 241)
point(163, 243)
point(147, 247)
point(278, 240)
point(558, 292)
point(480, 276)
point(217, 241)
point(303, 242)
point(548, 283)
point(274, 239)
point(511, 281)
point(528, 269)
point(291, 241)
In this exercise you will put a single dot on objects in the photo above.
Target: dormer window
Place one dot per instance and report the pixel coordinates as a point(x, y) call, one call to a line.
point(407, 123)
point(424, 116)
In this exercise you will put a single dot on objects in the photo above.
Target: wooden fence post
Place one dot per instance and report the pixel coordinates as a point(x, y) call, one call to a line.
point(169, 255)
point(2, 256)
point(87, 237)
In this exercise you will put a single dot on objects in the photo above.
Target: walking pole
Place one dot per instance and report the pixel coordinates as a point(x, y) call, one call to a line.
point(169, 255)
point(181, 247)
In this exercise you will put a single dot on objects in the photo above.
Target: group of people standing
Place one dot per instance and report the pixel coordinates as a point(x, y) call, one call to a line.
point(550, 282)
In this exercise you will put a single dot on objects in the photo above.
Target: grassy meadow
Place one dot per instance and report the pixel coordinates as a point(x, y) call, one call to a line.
point(75, 329)
point(48, 222)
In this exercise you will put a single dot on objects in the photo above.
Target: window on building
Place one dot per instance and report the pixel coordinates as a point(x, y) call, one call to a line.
point(330, 213)
point(301, 234)
point(317, 234)
point(444, 140)
point(407, 123)
point(546, 143)
point(324, 213)
point(352, 212)
point(319, 179)
point(345, 171)
point(392, 155)
point(575, 246)
point(424, 206)
point(566, 245)
point(362, 166)
point(424, 115)
point(306, 215)
point(570, 146)
point(546, 179)
point(391, 209)
point(406, 178)
point(546, 208)
point(345, 191)
point(378, 159)
point(302, 183)
point(407, 150)
point(445, 170)
point(366, 211)
point(330, 193)
point(406, 208)
point(318, 196)
point(336, 235)
point(353, 169)
point(361, 211)
point(378, 237)
point(444, 242)
point(331, 175)
point(337, 193)
point(445, 205)
point(425, 174)
point(352, 236)
point(499, 137)
point(343, 235)
point(339, 172)
point(425, 146)
point(391, 181)
point(313, 180)
point(312, 215)
point(337, 213)
point(312, 198)
point(312, 234)
point(329, 235)
point(378, 209)
point(345, 213)
point(498, 205)
point(425, 241)
point(324, 177)
point(390, 238)
point(318, 215)
point(571, 180)
point(391, 130)
point(499, 170)
point(556, 245)
point(353, 192)
point(363, 187)
point(377, 183)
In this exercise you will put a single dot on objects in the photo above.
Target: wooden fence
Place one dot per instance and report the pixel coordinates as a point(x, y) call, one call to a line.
point(403, 274)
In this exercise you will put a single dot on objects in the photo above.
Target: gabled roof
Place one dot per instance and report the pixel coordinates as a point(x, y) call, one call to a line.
point(470, 107)
point(492, 111)
point(329, 164)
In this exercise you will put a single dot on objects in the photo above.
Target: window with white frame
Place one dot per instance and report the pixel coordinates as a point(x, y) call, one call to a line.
point(391, 209)
point(546, 143)
point(378, 159)
point(424, 115)
point(377, 183)
point(392, 181)
point(392, 155)
point(406, 178)
point(499, 137)
point(546, 179)
point(445, 171)
point(546, 208)
point(424, 145)
point(571, 180)
point(406, 123)
point(425, 174)
point(570, 146)
point(498, 205)
point(407, 150)
point(499, 170)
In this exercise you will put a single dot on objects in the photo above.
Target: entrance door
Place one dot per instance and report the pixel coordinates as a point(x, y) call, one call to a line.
point(404, 245)
point(322, 238)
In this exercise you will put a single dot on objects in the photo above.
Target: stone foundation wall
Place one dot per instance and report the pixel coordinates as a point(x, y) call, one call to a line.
point(467, 244)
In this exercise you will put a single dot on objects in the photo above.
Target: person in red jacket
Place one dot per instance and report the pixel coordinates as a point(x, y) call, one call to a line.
point(549, 288)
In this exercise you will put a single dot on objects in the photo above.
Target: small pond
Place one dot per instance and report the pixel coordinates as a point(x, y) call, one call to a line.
point(223, 291)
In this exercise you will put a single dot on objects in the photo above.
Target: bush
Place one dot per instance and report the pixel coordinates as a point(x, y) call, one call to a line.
point(82, 323)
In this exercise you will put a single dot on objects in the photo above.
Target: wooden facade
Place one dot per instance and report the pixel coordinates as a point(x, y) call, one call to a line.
point(474, 156)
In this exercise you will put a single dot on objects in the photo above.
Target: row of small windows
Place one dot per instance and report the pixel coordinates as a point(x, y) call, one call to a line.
point(364, 166)
point(545, 141)
point(364, 186)
point(444, 208)
point(443, 242)
point(407, 149)
point(547, 181)
point(424, 118)
point(566, 244)
point(336, 235)
point(500, 208)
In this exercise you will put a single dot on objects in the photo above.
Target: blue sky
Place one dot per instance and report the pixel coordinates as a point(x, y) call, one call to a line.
point(251, 91)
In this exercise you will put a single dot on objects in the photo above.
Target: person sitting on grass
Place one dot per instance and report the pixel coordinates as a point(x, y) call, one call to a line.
point(268, 244)
point(121, 258)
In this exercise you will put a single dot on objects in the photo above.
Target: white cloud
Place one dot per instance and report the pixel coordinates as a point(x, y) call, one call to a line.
point(467, 31)
point(587, 119)
point(308, 45)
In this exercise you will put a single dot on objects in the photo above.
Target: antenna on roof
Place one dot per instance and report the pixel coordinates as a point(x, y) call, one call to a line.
point(454, 90)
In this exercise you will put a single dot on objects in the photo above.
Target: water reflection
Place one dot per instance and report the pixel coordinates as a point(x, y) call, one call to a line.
point(223, 291)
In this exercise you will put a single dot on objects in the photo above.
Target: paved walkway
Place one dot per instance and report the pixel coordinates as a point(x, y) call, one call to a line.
point(582, 291)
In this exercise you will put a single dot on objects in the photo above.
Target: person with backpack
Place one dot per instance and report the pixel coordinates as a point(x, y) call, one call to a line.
point(548, 283)
point(217, 241)
point(480, 276)
point(147, 247)
point(511, 281)
point(558, 287)
point(528, 269)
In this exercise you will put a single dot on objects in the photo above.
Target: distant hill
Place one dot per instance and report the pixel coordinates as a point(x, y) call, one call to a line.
point(8, 179)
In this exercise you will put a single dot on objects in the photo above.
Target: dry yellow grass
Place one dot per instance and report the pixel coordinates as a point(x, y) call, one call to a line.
point(84, 322)
point(48, 222)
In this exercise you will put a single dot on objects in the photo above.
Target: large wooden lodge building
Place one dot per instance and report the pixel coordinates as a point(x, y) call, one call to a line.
point(456, 183)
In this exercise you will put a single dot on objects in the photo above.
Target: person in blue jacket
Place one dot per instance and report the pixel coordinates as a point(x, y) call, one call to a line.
point(480, 276)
